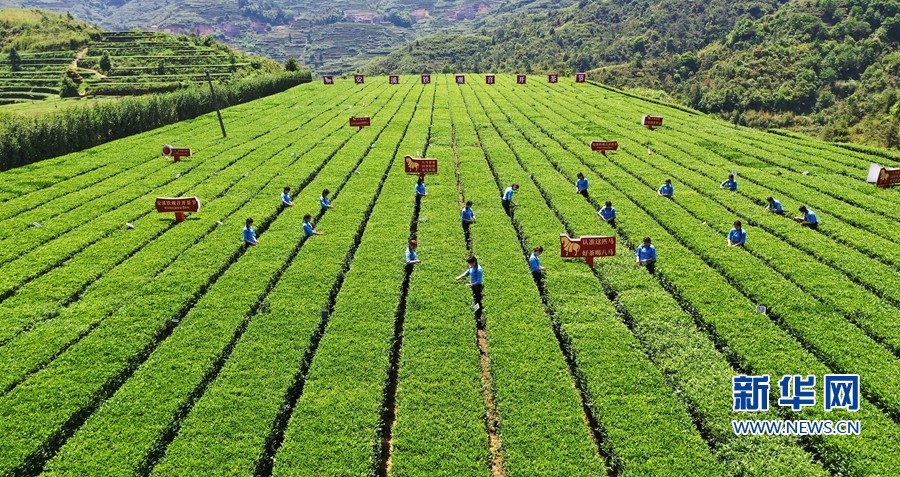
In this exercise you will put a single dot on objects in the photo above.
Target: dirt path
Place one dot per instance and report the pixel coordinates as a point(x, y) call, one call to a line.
point(78, 56)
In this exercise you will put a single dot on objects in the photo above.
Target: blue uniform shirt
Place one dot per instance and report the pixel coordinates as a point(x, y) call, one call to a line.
point(581, 184)
point(730, 184)
point(411, 254)
point(607, 213)
point(420, 189)
point(508, 193)
point(285, 198)
point(249, 235)
point(475, 275)
point(534, 262)
point(467, 215)
point(810, 217)
point(308, 229)
point(667, 190)
point(323, 202)
point(737, 236)
point(647, 252)
point(775, 206)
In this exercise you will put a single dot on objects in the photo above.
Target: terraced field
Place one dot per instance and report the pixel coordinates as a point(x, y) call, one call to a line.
point(172, 349)
point(142, 62)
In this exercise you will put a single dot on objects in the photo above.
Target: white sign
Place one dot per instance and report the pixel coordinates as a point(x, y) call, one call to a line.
point(874, 170)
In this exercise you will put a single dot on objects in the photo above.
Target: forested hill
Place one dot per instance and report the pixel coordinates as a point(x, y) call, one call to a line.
point(830, 68)
point(586, 34)
point(826, 67)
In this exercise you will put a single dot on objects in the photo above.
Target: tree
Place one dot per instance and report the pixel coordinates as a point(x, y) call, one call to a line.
point(14, 59)
point(106, 62)
point(291, 64)
point(73, 75)
point(68, 88)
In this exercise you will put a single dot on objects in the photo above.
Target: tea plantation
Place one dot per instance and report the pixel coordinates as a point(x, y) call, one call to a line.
point(134, 345)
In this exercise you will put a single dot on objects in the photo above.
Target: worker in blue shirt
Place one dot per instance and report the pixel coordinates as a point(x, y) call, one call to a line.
point(476, 275)
point(774, 206)
point(467, 216)
point(507, 198)
point(534, 264)
point(645, 255)
point(286, 197)
point(666, 190)
point(737, 237)
point(581, 185)
point(729, 183)
point(308, 230)
point(420, 187)
point(324, 203)
point(412, 257)
point(249, 233)
point(808, 219)
point(608, 214)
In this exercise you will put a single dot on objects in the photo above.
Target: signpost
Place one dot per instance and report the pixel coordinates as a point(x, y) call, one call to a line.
point(393, 79)
point(489, 79)
point(359, 79)
point(420, 167)
point(460, 79)
point(652, 121)
point(360, 122)
point(520, 79)
point(426, 79)
point(580, 77)
point(328, 79)
point(888, 176)
point(553, 78)
point(176, 153)
point(179, 205)
point(603, 146)
point(587, 247)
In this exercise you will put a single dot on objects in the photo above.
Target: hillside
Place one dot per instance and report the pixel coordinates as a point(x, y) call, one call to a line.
point(46, 56)
point(829, 68)
point(134, 345)
point(568, 35)
point(336, 36)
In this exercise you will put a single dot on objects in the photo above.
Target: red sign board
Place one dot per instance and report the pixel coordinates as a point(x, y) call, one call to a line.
point(413, 165)
point(176, 152)
point(580, 77)
point(394, 80)
point(489, 79)
point(179, 205)
point(603, 146)
point(888, 176)
point(359, 79)
point(652, 121)
point(587, 247)
point(426, 79)
point(553, 78)
point(520, 79)
point(460, 79)
point(360, 122)
point(328, 79)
